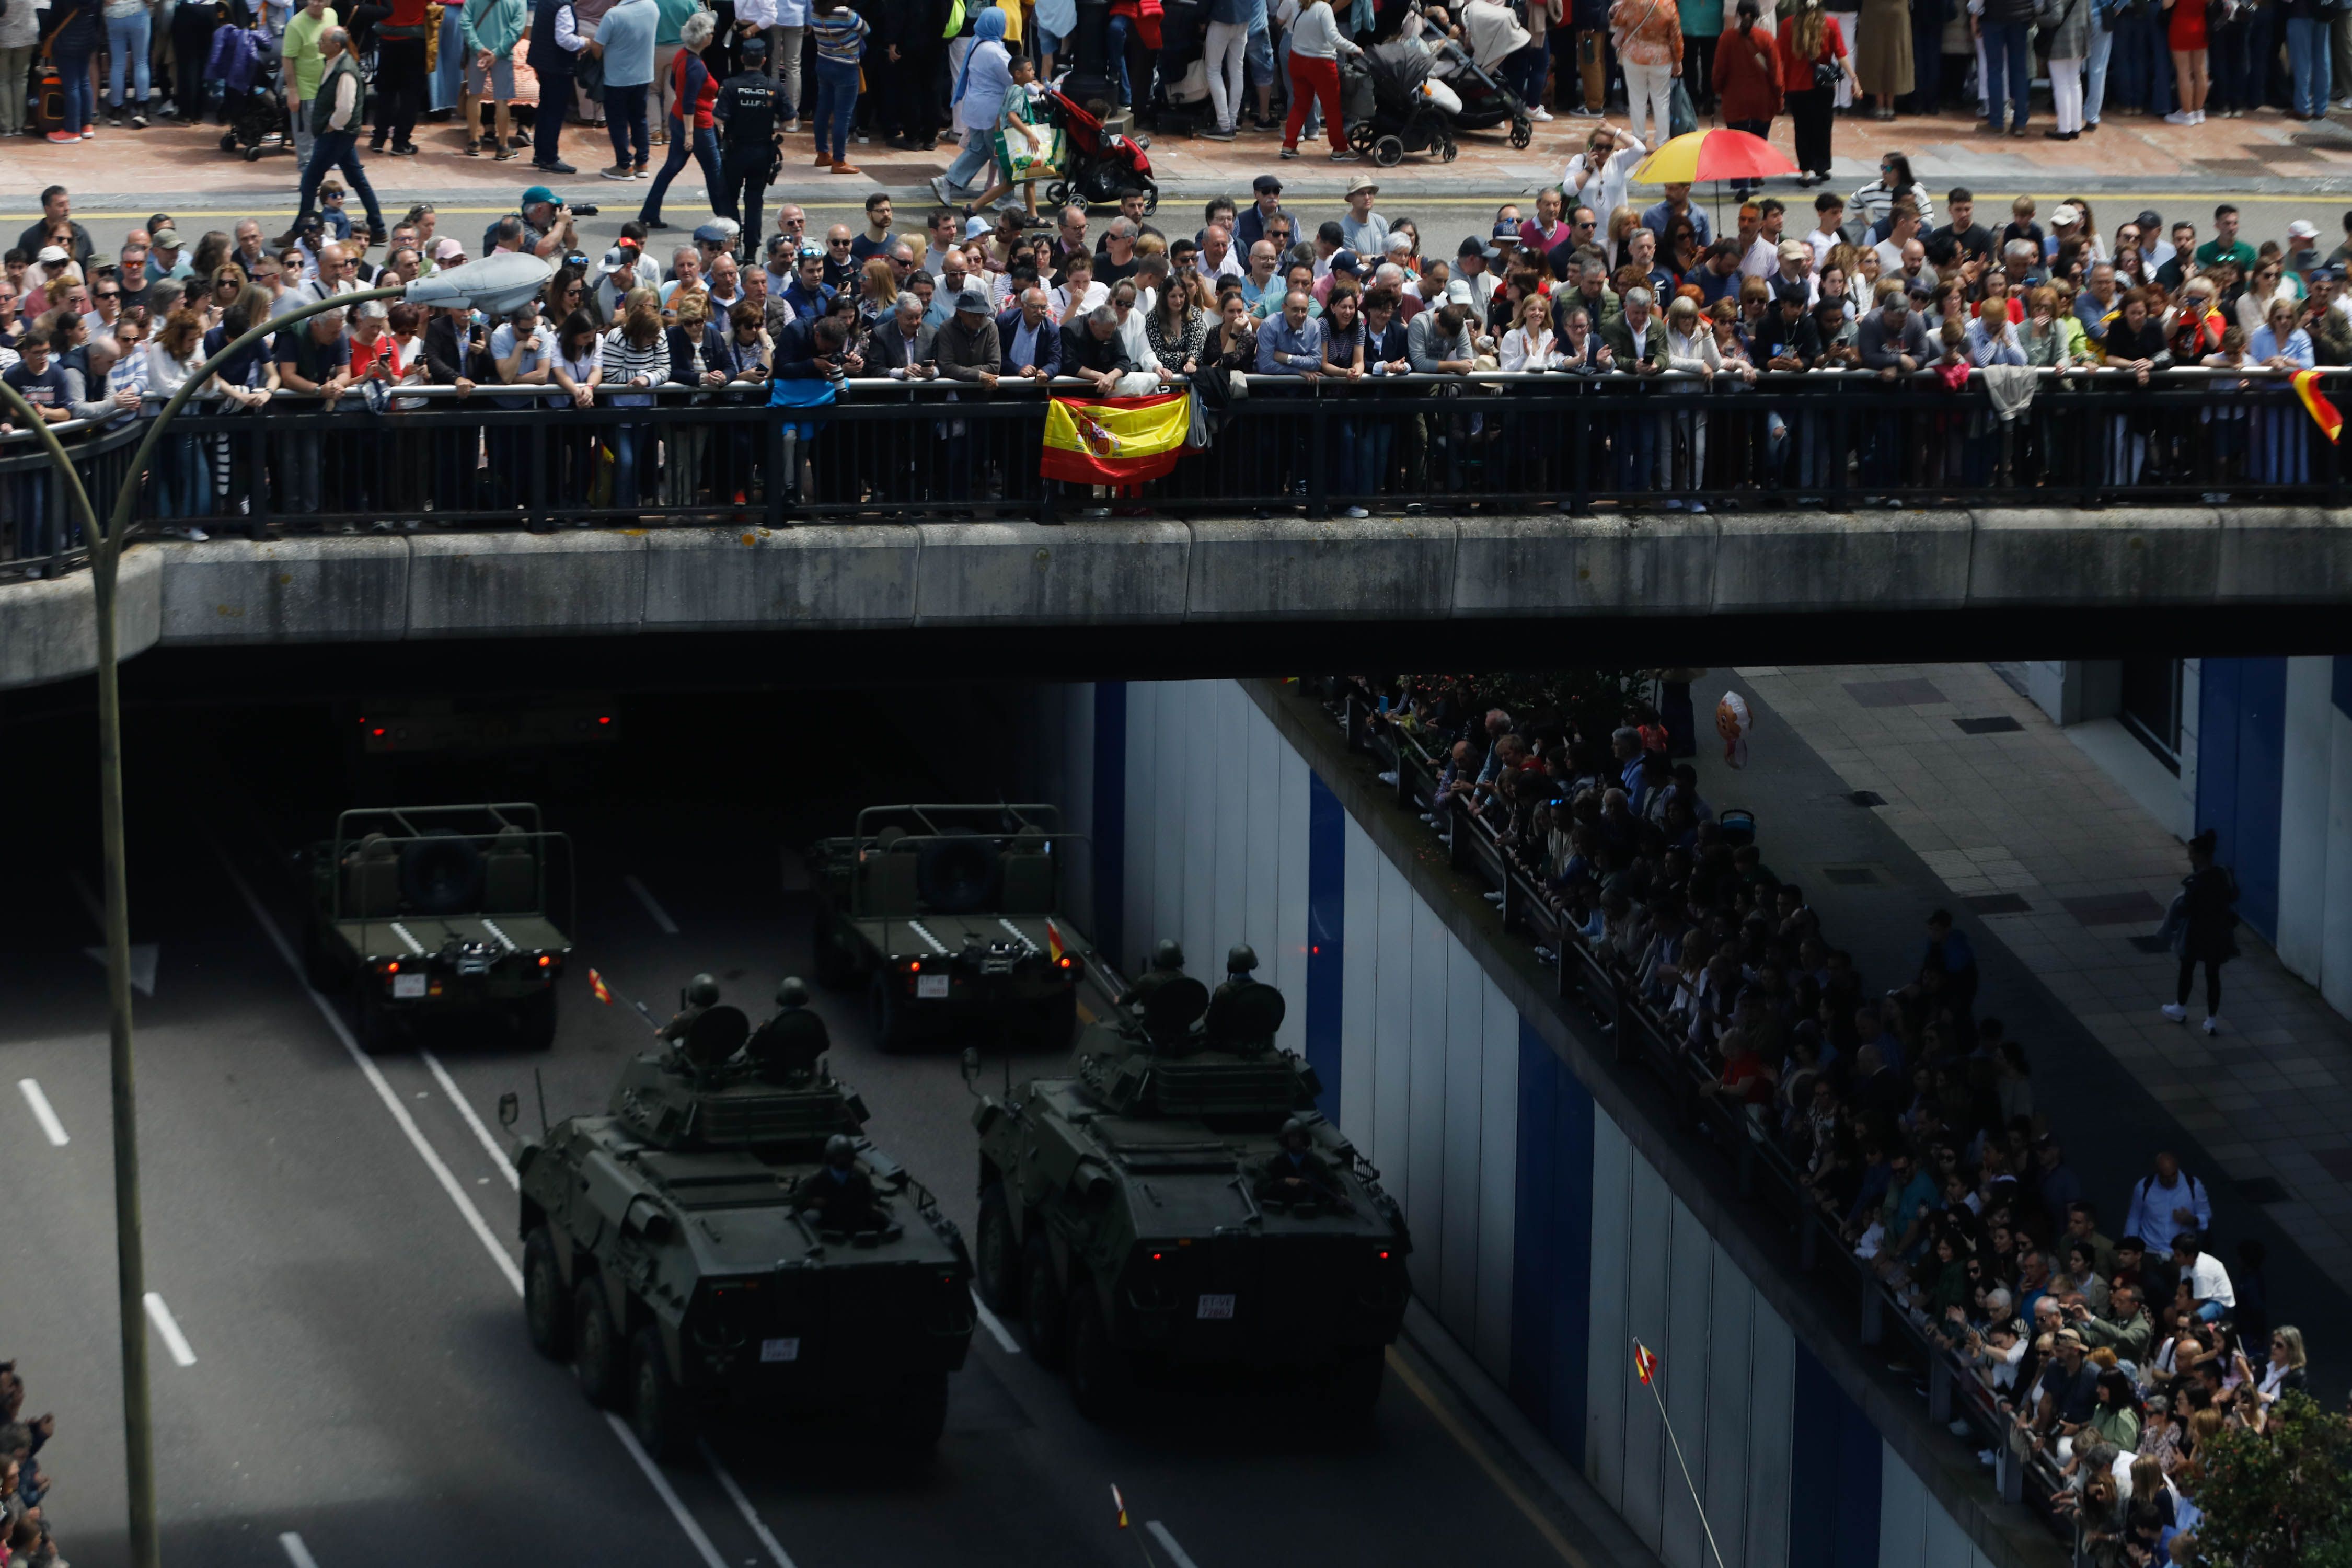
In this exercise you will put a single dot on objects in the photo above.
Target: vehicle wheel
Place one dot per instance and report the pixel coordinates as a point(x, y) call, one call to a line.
point(1355, 1387)
point(1388, 151)
point(1522, 132)
point(1058, 193)
point(253, 154)
point(1057, 1020)
point(319, 966)
point(886, 1011)
point(834, 969)
point(1041, 1298)
point(1102, 1378)
point(536, 1020)
point(995, 1255)
point(1447, 151)
point(656, 1407)
point(911, 1419)
point(1360, 136)
point(595, 1343)
point(543, 1311)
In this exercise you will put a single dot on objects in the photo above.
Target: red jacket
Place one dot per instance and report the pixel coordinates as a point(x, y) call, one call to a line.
point(1748, 75)
point(680, 69)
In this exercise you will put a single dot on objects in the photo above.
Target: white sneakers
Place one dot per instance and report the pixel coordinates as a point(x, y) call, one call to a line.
point(2176, 1012)
point(2180, 117)
point(2212, 1025)
point(1539, 114)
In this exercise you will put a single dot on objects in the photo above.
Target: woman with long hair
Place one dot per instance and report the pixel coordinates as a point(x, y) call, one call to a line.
point(182, 488)
point(877, 293)
point(1528, 344)
point(1179, 325)
point(578, 368)
point(637, 358)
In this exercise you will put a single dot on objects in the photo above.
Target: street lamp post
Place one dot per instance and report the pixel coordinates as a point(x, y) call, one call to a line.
point(499, 283)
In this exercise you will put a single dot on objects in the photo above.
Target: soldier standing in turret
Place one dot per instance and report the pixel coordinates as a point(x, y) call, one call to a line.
point(841, 1193)
point(1167, 964)
point(701, 995)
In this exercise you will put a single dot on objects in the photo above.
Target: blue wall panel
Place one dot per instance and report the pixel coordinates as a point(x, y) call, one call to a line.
point(2241, 759)
point(2342, 684)
point(1551, 1307)
point(1327, 935)
point(1833, 1512)
point(1109, 829)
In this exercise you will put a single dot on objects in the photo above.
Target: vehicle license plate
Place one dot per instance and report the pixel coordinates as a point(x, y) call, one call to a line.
point(929, 985)
point(779, 1350)
point(407, 986)
point(1215, 1307)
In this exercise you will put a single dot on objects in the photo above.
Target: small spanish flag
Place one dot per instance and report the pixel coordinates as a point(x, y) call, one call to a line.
point(1054, 949)
point(596, 985)
point(2315, 402)
point(1115, 440)
point(1119, 1503)
point(1645, 1366)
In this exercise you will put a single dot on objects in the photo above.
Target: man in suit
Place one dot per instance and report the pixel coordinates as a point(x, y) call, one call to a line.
point(1032, 342)
point(902, 346)
point(1636, 341)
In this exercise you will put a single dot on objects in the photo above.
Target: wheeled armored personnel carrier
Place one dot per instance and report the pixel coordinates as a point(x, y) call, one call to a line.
point(434, 911)
point(691, 1249)
point(947, 916)
point(1176, 1209)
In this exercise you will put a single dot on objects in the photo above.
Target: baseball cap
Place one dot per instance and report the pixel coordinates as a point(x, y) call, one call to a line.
point(2149, 224)
point(974, 299)
point(615, 261)
point(1266, 186)
point(2066, 216)
point(1794, 250)
point(1472, 245)
point(710, 234)
point(53, 255)
point(1344, 261)
point(446, 248)
point(537, 194)
point(1507, 234)
point(163, 237)
point(2301, 228)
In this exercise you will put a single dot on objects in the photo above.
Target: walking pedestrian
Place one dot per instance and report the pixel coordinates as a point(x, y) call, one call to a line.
point(693, 94)
point(335, 137)
point(1315, 45)
point(979, 99)
point(553, 56)
point(1648, 35)
point(2202, 925)
point(748, 108)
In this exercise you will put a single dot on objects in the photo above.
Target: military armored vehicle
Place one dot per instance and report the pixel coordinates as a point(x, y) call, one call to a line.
point(946, 915)
point(690, 1248)
point(1144, 1221)
point(439, 910)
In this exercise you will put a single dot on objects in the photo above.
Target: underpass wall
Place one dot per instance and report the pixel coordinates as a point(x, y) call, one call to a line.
point(1544, 1240)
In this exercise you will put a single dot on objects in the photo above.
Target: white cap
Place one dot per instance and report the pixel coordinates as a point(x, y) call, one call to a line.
point(2301, 228)
point(2065, 215)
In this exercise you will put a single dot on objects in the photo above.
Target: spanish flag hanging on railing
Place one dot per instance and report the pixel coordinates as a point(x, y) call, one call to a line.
point(1115, 440)
point(2315, 402)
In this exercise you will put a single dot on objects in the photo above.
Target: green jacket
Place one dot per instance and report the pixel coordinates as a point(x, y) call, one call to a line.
point(2129, 1340)
point(497, 26)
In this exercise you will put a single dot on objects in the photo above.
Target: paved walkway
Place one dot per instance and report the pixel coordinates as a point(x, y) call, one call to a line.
point(2132, 156)
point(2073, 876)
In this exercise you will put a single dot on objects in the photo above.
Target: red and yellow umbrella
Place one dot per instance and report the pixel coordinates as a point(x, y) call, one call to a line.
point(1712, 156)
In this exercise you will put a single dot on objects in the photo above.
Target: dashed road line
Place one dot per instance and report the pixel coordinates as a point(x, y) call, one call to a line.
point(173, 1340)
point(661, 915)
point(42, 1113)
point(499, 1156)
point(667, 1493)
point(296, 1553)
point(759, 1526)
point(995, 1326)
point(1176, 1554)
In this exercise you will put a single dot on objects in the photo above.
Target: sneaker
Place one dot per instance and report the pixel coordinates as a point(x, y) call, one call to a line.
point(1580, 113)
point(617, 171)
point(1219, 134)
point(1347, 155)
point(1696, 506)
point(791, 127)
point(641, 171)
point(2344, 103)
point(473, 146)
point(553, 166)
point(88, 131)
point(939, 189)
point(2176, 1012)
point(405, 149)
point(138, 120)
point(1988, 1459)
point(1539, 114)
point(2213, 1024)
point(63, 138)
point(1959, 1428)
point(2180, 117)
point(115, 118)
point(1290, 152)
point(1357, 511)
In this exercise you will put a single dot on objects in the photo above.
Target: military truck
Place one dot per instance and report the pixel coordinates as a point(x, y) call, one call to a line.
point(675, 1251)
point(1137, 1218)
point(434, 911)
point(947, 916)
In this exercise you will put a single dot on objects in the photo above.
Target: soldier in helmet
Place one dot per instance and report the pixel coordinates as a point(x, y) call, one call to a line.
point(795, 1039)
point(1167, 963)
point(841, 1193)
point(1294, 1173)
point(701, 995)
point(1244, 1012)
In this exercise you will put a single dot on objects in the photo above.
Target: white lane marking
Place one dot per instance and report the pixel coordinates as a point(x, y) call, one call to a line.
point(492, 927)
point(507, 1265)
point(668, 1494)
point(995, 1326)
point(1017, 935)
point(1158, 1533)
point(173, 1340)
point(661, 915)
point(415, 947)
point(296, 1553)
point(743, 1506)
point(42, 1113)
point(499, 1157)
point(374, 1076)
point(920, 930)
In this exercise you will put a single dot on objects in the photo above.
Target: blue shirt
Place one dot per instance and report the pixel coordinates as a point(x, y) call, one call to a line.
point(1277, 344)
point(1656, 219)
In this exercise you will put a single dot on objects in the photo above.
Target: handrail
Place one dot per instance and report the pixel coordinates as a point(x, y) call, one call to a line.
point(1763, 1171)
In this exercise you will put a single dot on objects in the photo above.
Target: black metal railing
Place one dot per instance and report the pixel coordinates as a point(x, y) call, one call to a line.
point(1597, 987)
point(896, 449)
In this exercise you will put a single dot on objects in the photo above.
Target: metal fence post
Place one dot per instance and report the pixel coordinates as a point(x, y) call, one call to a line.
point(1874, 1309)
point(1457, 837)
point(1319, 489)
point(1940, 1388)
point(2007, 1470)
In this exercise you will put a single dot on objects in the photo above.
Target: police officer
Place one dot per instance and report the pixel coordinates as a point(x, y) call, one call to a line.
point(1167, 964)
point(841, 1193)
point(795, 1039)
point(747, 113)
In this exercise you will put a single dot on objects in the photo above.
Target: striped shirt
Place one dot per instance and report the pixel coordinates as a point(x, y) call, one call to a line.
point(840, 35)
point(624, 362)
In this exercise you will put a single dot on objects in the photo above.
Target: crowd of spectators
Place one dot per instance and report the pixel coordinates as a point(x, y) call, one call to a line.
point(25, 1537)
point(2106, 1347)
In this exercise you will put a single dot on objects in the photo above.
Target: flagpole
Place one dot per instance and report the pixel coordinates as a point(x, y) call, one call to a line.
point(1692, 1486)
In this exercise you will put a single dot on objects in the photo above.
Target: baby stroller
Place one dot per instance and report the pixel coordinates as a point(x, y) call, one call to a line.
point(1395, 102)
point(253, 104)
point(1102, 164)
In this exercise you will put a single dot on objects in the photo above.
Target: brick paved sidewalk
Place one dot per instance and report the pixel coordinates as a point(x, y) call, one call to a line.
point(2072, 875)
point(2263, 153)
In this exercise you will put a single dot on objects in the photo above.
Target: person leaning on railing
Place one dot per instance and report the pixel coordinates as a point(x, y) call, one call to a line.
point(637, 360)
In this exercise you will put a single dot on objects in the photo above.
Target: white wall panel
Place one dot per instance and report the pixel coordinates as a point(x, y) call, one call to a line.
point(1392, 1037)
point(1648, 1260)
point(1498, 1186)
point(1903, 1509)
point(1726, 1433)
point(1463, 1102)
point(1685, 1355)
point(1138, 912)
point(1198, 848)
point(1359, 998)
point(1288, 855)
point(1424, 1206)
point(2335, 933)
point(1608, 1385)
point(1235, 789)
point(1771, 1429)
